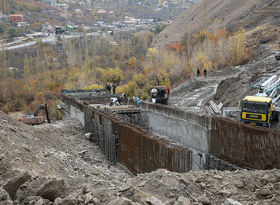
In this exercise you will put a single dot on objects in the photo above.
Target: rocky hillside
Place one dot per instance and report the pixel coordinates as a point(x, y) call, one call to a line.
point(54, 164)
point(261, 18)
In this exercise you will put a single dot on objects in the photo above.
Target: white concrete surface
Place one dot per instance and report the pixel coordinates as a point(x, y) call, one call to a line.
point(76, 114)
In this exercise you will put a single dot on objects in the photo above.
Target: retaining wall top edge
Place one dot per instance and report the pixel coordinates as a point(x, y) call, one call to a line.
point(202, 119)
point(245, 126)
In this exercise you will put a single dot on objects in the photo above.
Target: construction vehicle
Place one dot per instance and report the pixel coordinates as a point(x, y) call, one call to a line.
point(262, 109)
point(257, 110)
point(159, 94)
point(59, 30)
point(37, 117)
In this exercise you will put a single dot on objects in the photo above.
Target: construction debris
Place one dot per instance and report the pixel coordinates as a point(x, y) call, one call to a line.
point(215, 107)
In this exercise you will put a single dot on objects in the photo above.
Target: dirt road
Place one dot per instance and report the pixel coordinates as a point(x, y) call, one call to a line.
point(226, 86)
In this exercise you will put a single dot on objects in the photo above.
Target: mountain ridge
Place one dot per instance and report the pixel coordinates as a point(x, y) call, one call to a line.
point(232, 15)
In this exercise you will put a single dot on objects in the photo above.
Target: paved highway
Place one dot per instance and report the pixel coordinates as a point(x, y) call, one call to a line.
point(48, 39)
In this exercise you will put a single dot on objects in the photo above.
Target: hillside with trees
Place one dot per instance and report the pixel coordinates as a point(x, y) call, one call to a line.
point(35, 75)
point(13, 6)
point(260, 19)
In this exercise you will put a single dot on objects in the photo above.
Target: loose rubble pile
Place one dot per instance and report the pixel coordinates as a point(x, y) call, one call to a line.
point(205, 187)
point(54, 164)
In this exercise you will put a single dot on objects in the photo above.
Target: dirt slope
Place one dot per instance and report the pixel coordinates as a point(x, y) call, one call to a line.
point(195, 93)
point(46, 161)
point(226, 86)
point(253, 14)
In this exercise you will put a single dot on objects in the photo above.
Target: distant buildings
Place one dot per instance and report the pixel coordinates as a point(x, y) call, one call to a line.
point(46, 27)
point(113, 43)
point(63, 6)
point(79, 13)
point(16, 18)
point(22, 24)
point(50, 2)
point(130, 20)
point(100, 23)
point(101, 11)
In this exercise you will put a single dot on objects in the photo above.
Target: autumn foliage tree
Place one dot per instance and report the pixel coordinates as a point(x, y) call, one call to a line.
point(89, 63)
point(113, 75)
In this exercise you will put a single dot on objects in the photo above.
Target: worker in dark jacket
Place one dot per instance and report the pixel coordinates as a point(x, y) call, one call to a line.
point(205, 72)
point(109, 88)
point(114, 88)
point(111, 103)
point(197, 72)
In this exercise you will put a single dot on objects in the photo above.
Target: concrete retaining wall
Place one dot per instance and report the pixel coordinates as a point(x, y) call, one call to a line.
point(186, 133)
point(231, 141)
point(137, 149)
point(141, 151)
point(187, 129)
point(77, 114)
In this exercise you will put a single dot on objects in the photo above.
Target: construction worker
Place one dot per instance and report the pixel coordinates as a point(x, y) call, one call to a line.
point(168, 90)
point(109, 88)
point(111, 102)
point(114, 89)
point(197, 72)
point(106, 87)
point(205, 72)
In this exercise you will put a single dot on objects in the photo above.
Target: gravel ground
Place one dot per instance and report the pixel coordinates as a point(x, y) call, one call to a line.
point(43, 165)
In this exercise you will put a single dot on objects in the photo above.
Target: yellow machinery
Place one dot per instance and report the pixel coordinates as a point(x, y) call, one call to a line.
point(257, 110)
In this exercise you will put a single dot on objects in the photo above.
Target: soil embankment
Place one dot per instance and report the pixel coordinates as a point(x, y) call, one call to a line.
point(53, 164)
